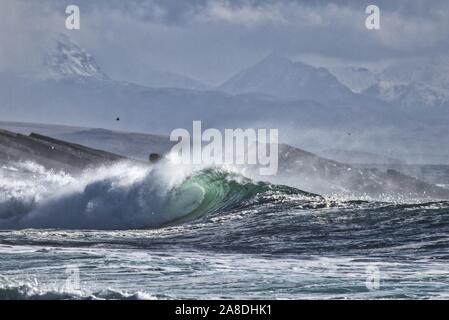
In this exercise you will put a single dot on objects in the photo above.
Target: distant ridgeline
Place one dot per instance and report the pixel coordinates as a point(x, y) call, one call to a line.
point(51, 153)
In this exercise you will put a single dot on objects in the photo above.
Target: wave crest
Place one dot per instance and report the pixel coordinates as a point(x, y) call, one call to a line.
point(126, 196)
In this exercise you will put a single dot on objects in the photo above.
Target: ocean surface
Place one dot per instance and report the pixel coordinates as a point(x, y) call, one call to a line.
point(167, 232)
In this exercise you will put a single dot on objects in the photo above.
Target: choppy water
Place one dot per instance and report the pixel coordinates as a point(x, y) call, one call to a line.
point(210, 234)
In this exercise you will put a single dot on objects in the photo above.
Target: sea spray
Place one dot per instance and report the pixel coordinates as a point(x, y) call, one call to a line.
point(124, 196)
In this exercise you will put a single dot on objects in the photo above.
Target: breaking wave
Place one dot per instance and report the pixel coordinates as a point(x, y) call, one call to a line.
point(127, 196)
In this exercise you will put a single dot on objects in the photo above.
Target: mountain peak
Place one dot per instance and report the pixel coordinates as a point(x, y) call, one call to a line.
point(280, 77)
point(415, 82)
point(68, 60)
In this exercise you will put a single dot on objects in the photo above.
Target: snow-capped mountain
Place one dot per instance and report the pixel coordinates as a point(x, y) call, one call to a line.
point(280, 77)
point(432, 71)
point(414, 83)
point(98, 102)
point(414, 94)
point(311, 106)
point(67, 59)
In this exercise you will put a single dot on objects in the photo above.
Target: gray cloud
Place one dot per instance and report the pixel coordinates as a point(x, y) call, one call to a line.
point(212, 39)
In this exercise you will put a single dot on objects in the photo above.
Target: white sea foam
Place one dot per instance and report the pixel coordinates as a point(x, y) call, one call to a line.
point(120, 196)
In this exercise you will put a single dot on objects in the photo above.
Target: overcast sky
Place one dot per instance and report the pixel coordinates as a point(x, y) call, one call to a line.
point(210, 40)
